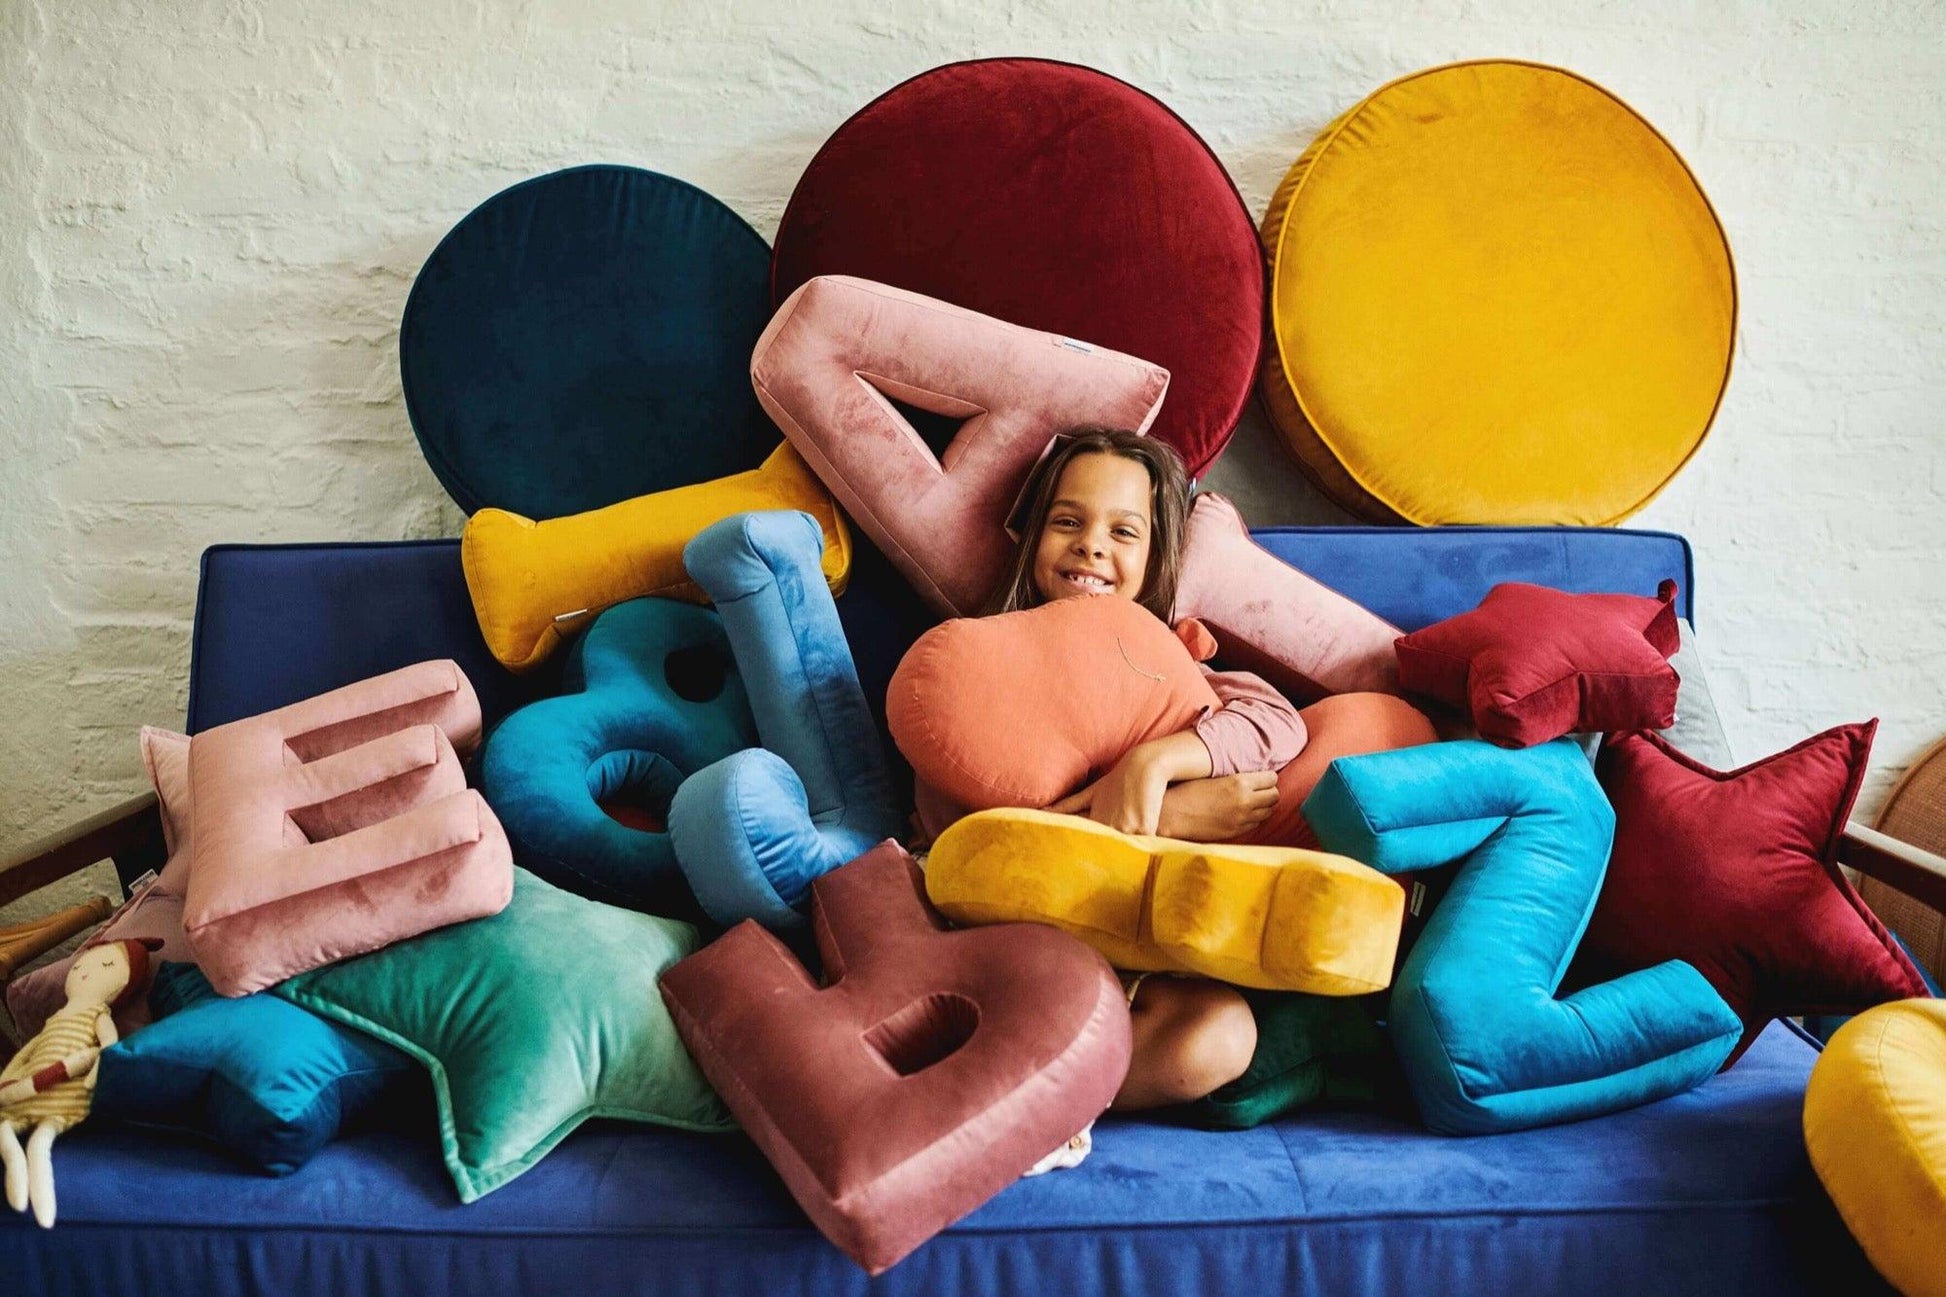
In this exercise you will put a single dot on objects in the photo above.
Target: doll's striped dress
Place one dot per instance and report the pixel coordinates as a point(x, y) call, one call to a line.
point(64, 1104)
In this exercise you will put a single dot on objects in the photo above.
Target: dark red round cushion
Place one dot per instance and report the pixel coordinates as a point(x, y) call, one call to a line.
point(1055, 197)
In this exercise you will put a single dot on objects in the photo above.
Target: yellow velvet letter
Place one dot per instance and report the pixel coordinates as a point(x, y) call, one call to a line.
point(532, 582)
point(1275, 918)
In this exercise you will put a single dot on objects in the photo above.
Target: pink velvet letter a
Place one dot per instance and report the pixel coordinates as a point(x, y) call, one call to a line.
point(838, 347)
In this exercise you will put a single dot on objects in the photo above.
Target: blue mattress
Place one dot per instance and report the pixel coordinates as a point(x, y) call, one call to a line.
point(1708, 1192)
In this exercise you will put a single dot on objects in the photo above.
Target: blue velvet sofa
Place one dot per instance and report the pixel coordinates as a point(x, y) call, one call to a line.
point(1709, 1192)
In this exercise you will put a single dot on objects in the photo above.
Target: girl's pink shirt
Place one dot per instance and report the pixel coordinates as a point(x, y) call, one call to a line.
point(1255, 728)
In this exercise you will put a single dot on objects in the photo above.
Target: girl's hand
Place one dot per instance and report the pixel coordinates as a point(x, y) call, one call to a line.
point(1129, 797)
point(1217, 810)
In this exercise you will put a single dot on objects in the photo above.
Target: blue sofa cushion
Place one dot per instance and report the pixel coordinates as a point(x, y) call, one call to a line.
point(276, 623)
point(1706, 1192)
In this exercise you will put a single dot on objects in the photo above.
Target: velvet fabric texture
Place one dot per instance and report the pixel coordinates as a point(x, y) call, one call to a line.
point(555, 994)
point(581, 338)
point(153, 909)
point(1485, 1045)
point(1296, 632)
point(840, 347)
point(276, 623)
point(752, 830)
point(1023, 708)
point(533, 582)
point(1059, 198)
point(1875, 1125)
point(1736, 873)
point(280, 623)
point(1550, 288)
point(929, 1072)
point(1531, 664)
point(1275, 918)
point(1413, 578)
point(1708, 1191)
point(650, 695)
point(840, 350)
point(337, 825)
point(263, 1080)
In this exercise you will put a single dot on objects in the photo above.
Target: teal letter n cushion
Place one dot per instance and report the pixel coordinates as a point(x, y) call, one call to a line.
point(1484, 1043)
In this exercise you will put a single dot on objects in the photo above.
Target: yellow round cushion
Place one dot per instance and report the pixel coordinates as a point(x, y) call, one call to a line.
point(1274, 918)
point(1875, 1124)
point(1497, 296)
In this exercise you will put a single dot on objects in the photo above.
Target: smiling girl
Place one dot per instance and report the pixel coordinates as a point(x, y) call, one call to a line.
point(1104, 518)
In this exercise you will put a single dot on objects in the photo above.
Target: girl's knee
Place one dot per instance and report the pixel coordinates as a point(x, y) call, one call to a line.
point(1225, 1038)
point(1200, 1036)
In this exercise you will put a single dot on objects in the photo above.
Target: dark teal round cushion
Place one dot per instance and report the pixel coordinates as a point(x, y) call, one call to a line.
point(584, 338)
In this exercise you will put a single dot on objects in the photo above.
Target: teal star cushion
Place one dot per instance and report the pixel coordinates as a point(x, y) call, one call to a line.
point(269, 1083)
point(530, 1022)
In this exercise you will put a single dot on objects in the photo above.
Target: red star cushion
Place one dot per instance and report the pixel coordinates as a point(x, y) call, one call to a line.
point(1532, 664)
point(1736, 873)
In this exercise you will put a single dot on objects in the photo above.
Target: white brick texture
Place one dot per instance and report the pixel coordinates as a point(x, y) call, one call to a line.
point(211, 211)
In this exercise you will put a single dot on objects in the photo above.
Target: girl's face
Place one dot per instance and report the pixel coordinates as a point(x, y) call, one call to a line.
point(1096, 537)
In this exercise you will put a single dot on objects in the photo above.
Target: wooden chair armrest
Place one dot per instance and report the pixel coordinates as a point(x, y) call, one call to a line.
point(129, 834)
point(1918, 873)
point(23, 943)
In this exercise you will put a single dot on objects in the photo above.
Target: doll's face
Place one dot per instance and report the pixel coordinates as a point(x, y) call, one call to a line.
point(97, 975)
point(1097, 534)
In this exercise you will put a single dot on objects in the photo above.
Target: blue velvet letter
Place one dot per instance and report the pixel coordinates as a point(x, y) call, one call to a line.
point(1484, 1043)
point(753, 830)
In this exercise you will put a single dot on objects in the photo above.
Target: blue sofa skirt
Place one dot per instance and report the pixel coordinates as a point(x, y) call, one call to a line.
point(1709, 1192)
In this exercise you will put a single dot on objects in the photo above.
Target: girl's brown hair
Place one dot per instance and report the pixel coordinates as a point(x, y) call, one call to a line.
point(1169, 506)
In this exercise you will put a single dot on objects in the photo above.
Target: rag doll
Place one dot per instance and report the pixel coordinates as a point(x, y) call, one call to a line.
point(49, 1085)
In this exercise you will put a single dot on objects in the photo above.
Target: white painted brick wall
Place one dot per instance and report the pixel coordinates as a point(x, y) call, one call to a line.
point(210, 213)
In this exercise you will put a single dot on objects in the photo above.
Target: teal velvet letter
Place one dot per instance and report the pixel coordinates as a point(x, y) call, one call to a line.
point(1485, 1044)
point(650, 696)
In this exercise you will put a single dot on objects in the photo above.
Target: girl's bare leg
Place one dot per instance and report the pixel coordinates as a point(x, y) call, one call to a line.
point(1192, 1035)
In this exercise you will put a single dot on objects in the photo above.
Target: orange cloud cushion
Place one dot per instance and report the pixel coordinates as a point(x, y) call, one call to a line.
point(1024, 708)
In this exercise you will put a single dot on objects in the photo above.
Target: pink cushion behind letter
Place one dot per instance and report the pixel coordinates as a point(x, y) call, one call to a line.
point(1303, 637)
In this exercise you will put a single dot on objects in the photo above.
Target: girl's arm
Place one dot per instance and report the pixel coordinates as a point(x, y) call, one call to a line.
point(1218, 810)
point(1129, 796)
point(1255, 728)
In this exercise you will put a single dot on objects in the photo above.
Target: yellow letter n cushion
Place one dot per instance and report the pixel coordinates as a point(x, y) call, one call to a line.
point(1274, 918)
point(1497, 296)
point(1875, 1125)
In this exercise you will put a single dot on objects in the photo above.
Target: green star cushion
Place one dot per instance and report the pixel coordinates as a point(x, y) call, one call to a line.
point(531, 1021)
